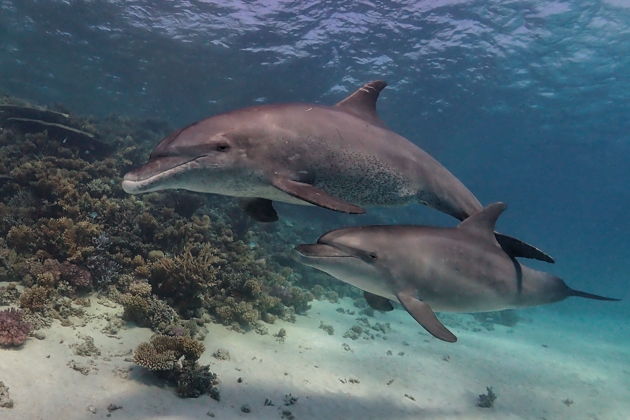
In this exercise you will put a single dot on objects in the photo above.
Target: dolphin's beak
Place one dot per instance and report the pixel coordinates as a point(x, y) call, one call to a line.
point(152, 175)
point(320, 251)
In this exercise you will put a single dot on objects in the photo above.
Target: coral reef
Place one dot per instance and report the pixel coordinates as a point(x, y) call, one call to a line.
point(69, 228)
point(35, 299)
point(147, 311)
point(9, 294)
point(172, 259)
point(175, 359)
point(13, 328)
point(163, 352)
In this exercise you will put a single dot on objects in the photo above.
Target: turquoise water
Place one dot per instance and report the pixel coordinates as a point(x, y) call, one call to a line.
point(526, 102)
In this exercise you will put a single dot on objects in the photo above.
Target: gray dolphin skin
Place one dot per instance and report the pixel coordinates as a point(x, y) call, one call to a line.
point(339, 157)
point(426, 269)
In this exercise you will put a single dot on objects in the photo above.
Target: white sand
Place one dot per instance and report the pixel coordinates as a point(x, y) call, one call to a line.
point(443, 379)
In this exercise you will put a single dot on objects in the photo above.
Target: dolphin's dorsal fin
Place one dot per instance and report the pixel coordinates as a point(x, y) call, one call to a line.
point(482, 223)
point(362, 103)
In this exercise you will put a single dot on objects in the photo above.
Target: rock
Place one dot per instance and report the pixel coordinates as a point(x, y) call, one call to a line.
point(221, 354)
point(5, 400)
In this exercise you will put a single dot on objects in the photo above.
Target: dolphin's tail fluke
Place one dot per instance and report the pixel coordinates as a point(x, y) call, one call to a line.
point(573, 292)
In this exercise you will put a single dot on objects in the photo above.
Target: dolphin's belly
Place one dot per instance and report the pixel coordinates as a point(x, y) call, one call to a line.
point(468, 295)
point(469, 305)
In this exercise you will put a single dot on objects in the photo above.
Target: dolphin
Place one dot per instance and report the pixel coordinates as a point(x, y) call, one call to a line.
point(426, 269)
point(339, 157)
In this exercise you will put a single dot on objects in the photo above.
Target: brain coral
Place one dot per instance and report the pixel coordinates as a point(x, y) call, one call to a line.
point(13, 329)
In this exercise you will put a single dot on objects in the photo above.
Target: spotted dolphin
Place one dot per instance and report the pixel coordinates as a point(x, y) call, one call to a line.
point(426, 269)
point(339, 157)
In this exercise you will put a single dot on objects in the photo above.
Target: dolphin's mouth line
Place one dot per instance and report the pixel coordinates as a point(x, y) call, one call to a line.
point(167, 170)
point(321, 250)
point(133, 184)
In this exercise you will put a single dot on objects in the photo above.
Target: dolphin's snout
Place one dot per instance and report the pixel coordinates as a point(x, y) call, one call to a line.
point(132, 181)
point(320, 251)
point(132, 175)
point(156, 171)
point(306, 250)
point(130, 187)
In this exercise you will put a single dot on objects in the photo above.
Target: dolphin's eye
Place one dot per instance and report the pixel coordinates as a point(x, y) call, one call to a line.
point(222, 147)
point(372, 255)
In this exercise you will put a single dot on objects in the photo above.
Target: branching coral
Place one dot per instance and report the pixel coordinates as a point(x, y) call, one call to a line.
point(149, 357)
point(147, 311)
point(76, 276)
point(175, 359)
point(9, 294)
point(22, 238)
point(13, 328)
point(35, 299)
point(187, 277)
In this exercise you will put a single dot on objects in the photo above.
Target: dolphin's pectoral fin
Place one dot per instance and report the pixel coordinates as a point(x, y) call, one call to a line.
point(314, 195)
point(260, 209)
point(378, 302)
point(517, 248)
point(424, 315)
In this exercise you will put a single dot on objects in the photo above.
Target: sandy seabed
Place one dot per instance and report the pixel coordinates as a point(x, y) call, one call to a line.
point(548, 367)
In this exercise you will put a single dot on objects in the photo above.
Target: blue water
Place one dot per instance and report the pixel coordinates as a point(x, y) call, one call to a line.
point(527, 102)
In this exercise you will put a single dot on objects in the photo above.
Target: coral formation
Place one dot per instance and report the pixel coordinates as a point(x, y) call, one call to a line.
point(70, 228)
point(35, 299)
point(9, 294)
point(147, 311)
point(486, 400)
point(5, 399)
point(174, 358)
point(172, 259)
point(13, 328)
point(163, 352)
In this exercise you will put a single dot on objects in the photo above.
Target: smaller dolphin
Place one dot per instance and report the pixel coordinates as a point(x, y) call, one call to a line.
point(461, 269)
